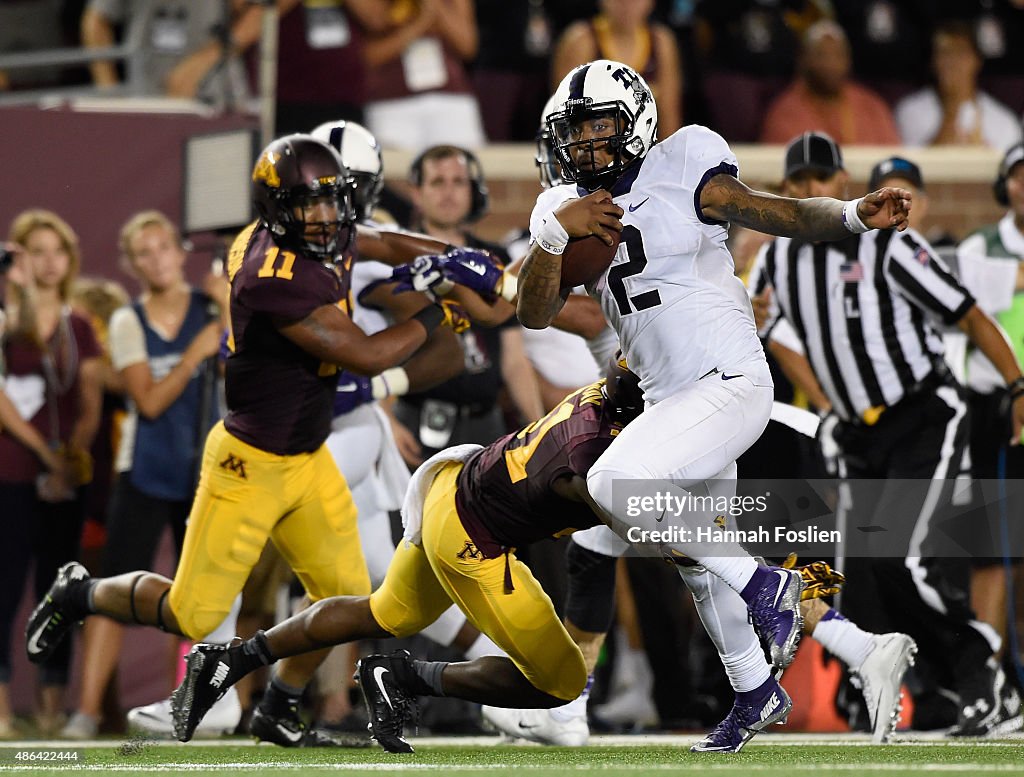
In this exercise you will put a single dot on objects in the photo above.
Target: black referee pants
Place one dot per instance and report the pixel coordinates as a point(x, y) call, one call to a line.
point(895, 513)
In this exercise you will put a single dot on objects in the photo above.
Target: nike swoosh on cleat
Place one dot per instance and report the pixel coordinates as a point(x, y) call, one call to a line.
point(527, 726)
point(784, 580)
point(291, 736)
point(378, 673)
point(730, 377)
point(633, 208)
point(33, 643)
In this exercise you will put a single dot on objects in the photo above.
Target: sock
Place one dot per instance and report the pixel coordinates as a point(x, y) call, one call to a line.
point(577, 708)
point(734, 570)
point(483, 646)
point(747, 671)
point(250, 655)
point(80, 597)
point(756, 694)
point(427, 680)
point(844, 639)
point(280, 699)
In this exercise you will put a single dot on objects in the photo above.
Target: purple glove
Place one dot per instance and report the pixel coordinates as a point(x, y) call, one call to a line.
point(422, 274)
point(353, 391)
point(225, 351)
point(473, 268)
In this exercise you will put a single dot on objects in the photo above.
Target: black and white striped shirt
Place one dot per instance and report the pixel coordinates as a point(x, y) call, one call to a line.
point(866, 310)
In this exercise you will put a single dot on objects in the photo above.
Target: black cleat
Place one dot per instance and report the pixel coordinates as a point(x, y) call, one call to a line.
point(389, 704)
point(991, 706)
point(291, 731)
point(52, 618)
point(206, 680)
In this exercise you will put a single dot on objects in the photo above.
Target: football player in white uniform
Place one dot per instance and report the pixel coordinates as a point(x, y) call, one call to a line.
point(685, 326)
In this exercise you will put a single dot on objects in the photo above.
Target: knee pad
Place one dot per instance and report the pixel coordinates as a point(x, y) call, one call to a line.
point(590, 602)
point(196, 624)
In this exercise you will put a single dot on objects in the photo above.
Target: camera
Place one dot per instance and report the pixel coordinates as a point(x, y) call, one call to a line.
point(6, 259)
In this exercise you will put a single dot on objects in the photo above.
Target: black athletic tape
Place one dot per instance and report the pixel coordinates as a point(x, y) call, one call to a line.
point(590, 600)
point(131, 599)
point(160, 611)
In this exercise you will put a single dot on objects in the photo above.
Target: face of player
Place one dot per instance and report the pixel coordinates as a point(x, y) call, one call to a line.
point(319, 215)
point(1015, 191)
point(590, 157)
point(444, 196)
point(49, 259)
point(157, 258)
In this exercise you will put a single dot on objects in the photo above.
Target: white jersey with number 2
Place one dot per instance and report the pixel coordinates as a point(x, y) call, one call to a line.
point(671, 293)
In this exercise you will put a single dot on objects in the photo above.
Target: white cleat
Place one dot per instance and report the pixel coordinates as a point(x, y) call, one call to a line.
point(156, 719)
point(538, 726)
point(879, 678)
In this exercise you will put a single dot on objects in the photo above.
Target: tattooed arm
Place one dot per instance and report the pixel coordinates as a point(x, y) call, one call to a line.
point(540, 279)
point(540, 294)
point(726, 198)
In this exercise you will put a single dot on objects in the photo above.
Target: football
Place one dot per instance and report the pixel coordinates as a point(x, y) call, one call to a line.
point(586, 258)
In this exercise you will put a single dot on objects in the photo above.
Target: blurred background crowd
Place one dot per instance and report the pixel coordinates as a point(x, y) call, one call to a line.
point(418, 74)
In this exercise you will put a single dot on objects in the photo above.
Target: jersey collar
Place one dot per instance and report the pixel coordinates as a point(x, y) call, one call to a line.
point(623, 183)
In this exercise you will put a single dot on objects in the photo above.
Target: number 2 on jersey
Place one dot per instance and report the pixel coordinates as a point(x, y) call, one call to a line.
point(270, 259)
point(637, 257)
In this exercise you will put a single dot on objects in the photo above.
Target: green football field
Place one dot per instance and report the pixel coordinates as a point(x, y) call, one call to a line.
point(609, 756)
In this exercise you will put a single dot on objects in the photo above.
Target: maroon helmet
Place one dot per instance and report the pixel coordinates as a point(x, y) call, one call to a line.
point(622, 390)
point(303, 193)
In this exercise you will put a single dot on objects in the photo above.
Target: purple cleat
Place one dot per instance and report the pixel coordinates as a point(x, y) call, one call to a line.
point(773, 601)
point(752, 712)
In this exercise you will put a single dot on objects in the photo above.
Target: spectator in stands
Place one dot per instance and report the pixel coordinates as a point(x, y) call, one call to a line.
point(54, 375)
point(157, 345)
point(623, 31)
point(955, 110)
point(449, 193)
point(747, 52)
point(889, 43)
point(188, 50)
point(328, 39)
point(510, 73)
point(420, 92)
point(823, 98)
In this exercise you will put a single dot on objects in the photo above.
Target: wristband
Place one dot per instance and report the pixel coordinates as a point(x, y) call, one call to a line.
point(393, 382)
point(552, 236)
point(431, 317)
point(509, 287)
point(851, 220)
point(1016, 388)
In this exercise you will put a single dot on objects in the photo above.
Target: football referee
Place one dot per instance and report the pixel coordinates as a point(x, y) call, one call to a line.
point(867, 312)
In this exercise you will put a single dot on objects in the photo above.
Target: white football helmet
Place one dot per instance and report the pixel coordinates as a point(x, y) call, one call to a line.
point(603, 89)
point(361, 154)
point(546, 159)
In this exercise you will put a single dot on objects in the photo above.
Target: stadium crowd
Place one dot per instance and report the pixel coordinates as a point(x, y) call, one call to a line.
point(105, 400)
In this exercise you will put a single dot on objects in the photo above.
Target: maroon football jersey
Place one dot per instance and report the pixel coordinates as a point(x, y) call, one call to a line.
point(279, 397)
point(504, 495)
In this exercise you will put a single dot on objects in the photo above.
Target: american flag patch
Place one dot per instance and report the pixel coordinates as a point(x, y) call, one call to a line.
point(922, 256)
point(851, 272)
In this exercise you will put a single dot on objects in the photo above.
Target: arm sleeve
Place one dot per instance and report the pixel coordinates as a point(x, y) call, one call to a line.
point(127, 340)
point(913, 268)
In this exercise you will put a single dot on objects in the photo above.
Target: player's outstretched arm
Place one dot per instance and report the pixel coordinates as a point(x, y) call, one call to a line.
point(329, 335)
point(726, 198)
